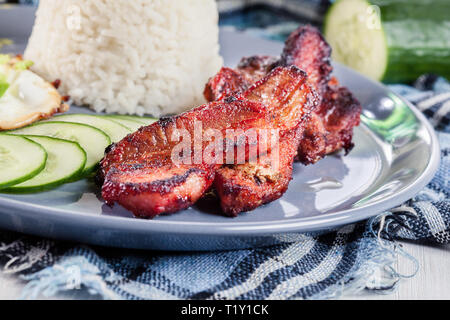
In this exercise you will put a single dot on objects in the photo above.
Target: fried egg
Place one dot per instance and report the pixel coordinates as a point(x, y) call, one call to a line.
point(26, 97)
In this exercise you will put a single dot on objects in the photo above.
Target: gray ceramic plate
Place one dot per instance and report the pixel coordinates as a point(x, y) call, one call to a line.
point(396, 155)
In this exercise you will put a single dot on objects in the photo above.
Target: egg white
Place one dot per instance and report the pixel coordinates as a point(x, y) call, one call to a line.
point(29, 98)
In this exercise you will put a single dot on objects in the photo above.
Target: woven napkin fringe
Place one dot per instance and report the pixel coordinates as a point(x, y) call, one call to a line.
point(71, 273)
point(82, 268)
point(374, 269)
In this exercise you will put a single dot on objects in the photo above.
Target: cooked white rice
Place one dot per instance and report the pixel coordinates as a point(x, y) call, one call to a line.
point(128, 56)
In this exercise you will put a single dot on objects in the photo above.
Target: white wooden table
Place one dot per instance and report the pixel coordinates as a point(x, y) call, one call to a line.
point(431, 282)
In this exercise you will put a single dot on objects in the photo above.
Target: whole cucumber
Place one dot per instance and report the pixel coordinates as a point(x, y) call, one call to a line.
point(435, 10)
point(391, 40)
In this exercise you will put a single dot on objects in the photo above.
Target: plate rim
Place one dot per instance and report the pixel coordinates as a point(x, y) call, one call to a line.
point(233, 228)
point(65, 218)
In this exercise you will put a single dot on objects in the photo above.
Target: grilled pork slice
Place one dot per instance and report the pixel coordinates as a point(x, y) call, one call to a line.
point(307, 49)
point(224, 84)
point(287, 95)
point(279, 101)
point(156, 142)
point(331, 128)
point(148, 176)
point(331, 125)
point(139, 172)
point(231, 81)
point(149, 190)
point(254, 68)
point(246, 187)
point(341, 113)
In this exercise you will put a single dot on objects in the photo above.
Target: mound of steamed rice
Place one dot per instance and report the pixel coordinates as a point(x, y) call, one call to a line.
point(129, 57)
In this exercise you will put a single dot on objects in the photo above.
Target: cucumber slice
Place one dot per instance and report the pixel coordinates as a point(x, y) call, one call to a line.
point(133, 125)
point(145, 120)
point(20, 159)
point(133, 122)
point(65, 161)
point(353, 29)
point(391, 40)
point(114, 130)
point(398, 10)
point(92, 140)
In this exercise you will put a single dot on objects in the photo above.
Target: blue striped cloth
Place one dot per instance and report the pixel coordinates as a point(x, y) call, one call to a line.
point(315, 267)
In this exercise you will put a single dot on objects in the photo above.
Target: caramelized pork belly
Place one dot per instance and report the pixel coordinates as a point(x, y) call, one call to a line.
point(149, 190)
point(330, 128)
point(245, 187)
point(224, 84)
point(139, 172)
point(307, 49)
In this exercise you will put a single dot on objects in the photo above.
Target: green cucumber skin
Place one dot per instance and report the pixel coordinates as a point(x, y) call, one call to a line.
point(394, 10)
point(81, 118)
point(417, 36)
point(87, 172)
point(73, 177)
point(27, 177)
point(416, 47)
